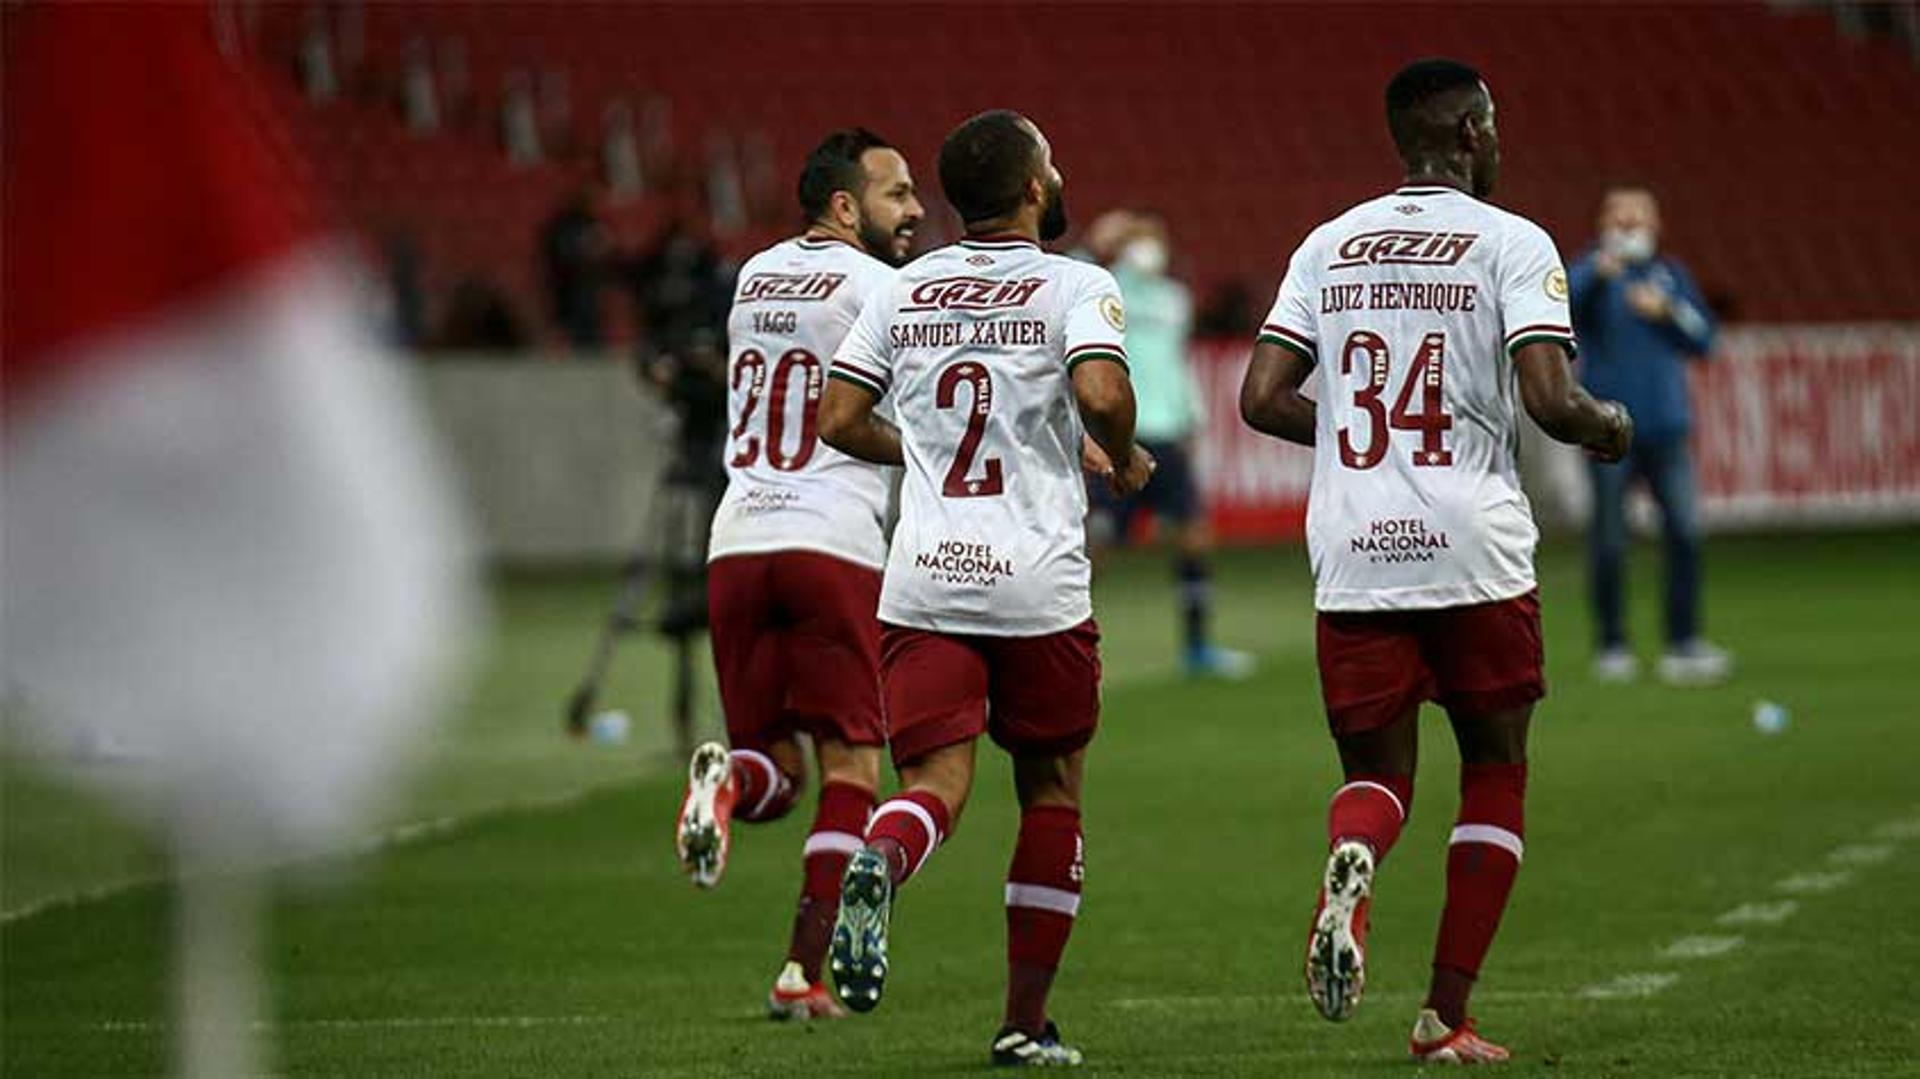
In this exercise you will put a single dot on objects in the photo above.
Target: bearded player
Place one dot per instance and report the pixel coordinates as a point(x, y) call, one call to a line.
point(796, 550)
point(998, 359)
point(1427, 318)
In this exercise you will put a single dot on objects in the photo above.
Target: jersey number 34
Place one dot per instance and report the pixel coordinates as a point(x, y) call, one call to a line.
point(1368, 350)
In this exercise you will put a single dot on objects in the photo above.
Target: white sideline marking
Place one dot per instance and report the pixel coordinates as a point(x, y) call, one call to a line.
point(1861, 854)
point(1759, 913)
point(399, 836)
point(144, 1026)
point(1899, 830)
point(1277, 1000)
point(1701, 947)
point(1815, 883)
point(1631, 986)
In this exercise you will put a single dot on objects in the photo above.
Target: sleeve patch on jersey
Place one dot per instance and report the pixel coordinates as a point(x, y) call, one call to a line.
point(1556, 284)
point(1563, 339)
point(1289, 339)
point(859, 378)
point(1095, 352)
point(1115, 314)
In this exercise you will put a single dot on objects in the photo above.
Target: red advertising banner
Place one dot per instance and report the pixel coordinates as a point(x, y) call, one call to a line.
point(1793, 426)
point(1810, 425)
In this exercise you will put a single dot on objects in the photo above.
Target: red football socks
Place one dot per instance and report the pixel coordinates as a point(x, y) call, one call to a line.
point(1482, 861)
point(837, 828)
point(906, 829)
point(1371, 808)
point(761, 791)
point(1043, 896)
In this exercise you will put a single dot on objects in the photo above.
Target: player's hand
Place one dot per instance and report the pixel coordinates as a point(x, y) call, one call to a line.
point(1094, 460)
point(1618, 440)
point(1139, 469)
point(1650, 301)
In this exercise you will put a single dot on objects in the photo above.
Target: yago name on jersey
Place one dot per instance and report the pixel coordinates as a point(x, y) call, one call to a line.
point(973, 345)
point(786, 489)
point(1412, 305)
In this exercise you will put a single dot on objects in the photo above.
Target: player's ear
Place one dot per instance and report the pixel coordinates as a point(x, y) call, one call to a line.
point(844, 208)
point(1473, 130)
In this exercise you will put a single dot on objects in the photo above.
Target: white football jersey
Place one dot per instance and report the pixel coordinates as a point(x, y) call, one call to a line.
point(973, 345)
point(1412, 305)
point(786, 489)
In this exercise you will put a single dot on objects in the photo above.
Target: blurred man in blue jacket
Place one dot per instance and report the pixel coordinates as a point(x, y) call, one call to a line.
point(1640, 320)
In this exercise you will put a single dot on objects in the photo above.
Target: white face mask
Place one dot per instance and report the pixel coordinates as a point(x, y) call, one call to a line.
point(1147, 256)
point(1630, 245)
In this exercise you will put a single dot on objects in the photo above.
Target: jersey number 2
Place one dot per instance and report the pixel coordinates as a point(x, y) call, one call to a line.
point(992, 481)
point(751, 368)
point(1428, 376)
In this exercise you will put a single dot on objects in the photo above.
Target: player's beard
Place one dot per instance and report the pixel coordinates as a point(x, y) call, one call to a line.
point(878, 241)
point(1053, 219)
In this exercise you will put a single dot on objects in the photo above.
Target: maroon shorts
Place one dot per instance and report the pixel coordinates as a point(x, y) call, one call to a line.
point(1030, 694)
point(1376, 665)
point(796, 645)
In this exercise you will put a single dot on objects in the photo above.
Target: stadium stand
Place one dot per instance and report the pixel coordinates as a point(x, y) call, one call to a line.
point(1245, 123)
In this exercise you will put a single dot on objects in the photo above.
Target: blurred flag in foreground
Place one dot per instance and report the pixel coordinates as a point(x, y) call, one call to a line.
point(227, 548)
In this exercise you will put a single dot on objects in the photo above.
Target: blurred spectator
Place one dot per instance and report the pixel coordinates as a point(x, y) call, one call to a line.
point(680, 289)
point(419, 100)
point(1639, 319)
point(520, 121)
point(317, 75)
point(1159, 323)
point(620, 152)
point(408, 317)
point(726, 188)
point(574, 249)
point(1231, 312)
point(480, 319)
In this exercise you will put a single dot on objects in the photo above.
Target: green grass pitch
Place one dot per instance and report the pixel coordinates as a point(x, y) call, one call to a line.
point(538, 935)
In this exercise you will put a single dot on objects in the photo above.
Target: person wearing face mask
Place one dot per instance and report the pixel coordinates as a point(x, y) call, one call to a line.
point(1159, 323)
point(1640, 319)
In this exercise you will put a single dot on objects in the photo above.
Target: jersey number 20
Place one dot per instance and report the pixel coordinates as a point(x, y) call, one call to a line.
point(751, 368)
point(1369, 349)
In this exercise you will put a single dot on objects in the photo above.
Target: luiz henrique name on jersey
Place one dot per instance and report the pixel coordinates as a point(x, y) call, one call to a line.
point(1411, 305)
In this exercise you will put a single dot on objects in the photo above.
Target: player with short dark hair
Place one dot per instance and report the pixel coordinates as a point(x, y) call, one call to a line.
point(999, 359)
point(796, 550)
point(1428, 318)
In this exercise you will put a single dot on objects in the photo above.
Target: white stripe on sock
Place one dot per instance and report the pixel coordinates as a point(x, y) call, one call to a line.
point(917, 812)
point(1041, 897)
point(830, 843)
point(765, 764)
point(1492, 836)
point(1363, 784)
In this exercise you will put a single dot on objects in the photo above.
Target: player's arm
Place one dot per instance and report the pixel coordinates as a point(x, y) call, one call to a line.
point(1270, 397)
point(849, 424)
point(1104, 395)
point(1564, 409)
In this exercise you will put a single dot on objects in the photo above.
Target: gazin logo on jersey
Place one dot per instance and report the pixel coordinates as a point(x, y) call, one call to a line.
point(1403, 247)
point(971, 293)
point(789, 287)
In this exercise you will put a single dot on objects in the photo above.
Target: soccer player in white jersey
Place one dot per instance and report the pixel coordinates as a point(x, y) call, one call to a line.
point(1426, 319)
point(796, 550)
point(998, 359)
